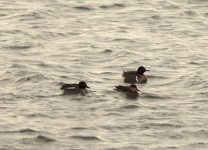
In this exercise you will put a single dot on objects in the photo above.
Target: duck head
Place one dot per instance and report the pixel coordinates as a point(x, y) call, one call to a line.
point(82, 85)
point(133, 88)
point(141, 70)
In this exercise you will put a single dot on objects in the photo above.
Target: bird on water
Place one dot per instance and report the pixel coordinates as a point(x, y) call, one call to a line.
point(75, 88)
point(135, 76)
point(128, 90)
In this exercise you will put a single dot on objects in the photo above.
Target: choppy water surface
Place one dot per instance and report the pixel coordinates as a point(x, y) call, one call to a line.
point(44, 44)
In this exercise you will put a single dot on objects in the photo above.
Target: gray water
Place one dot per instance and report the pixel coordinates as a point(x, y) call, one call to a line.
point(46, 43)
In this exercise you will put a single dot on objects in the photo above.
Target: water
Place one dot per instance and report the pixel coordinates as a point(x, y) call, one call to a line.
point(44, 44)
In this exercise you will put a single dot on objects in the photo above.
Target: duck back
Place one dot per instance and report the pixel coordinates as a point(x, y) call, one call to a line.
point(70, 88)
point(126, 90)
point(129, 76)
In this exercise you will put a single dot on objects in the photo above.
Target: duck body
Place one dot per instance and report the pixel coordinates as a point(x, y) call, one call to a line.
point(75, 88)
point(128, 90)
point(135, 76)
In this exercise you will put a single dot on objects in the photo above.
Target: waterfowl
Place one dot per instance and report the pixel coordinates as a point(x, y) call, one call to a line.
point(128, 90)
point(75, 88)
point(135, 76)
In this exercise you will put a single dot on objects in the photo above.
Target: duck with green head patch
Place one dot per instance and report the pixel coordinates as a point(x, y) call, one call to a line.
point(135, 76)
point(128, 90)
point(75, 88)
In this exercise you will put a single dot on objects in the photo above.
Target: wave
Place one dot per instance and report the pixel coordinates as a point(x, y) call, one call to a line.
point(25, 45)
point(31, 16)
point(129, 107)
point(18, 66)
point(44, 139)
point(124, 148)
point(165, 125)
point(21, 131)
point(203, 134)
point(36, 77)
point(124, 40)
point(206, 14)
point(79, 128)
point(130, 148)
point(122, 127)
point(156, 17)
point(88, 138)
point(167, 148)
point(112, 6)
point(155, 96)
point(38, 115)
point(82, 8)
point(107, 51)
point(190, 13)
point(198, 144)
point(27, 130)
point(113, 114)
point(171, 7)
point(156, 77)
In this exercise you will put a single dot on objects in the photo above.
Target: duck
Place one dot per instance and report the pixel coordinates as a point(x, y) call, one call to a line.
point(128, 90)
point(75, 88)
point(135, 76)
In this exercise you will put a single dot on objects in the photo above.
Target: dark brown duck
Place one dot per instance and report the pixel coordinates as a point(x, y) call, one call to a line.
point(128, 90)
point(75, 88)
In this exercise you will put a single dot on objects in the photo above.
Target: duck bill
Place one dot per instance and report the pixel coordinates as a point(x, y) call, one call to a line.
point(87, 86)
point(137, 89)
point(147, 70)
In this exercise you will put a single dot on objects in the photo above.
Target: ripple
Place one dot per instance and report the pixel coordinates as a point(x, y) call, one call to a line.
point(82, 8)
point(112, 6)
point(3, 107)
point(196, 145)
point(130, 148)
point(130, 107)
point(31, 16)
point(13, 32)
point(19, 66)
point(3, 15)
point(38, 115)
point(20, 131)
point(194, 63)
point(44, 139)
point(165, 125)
point(171, 7)
point(199, 133)
point(167, 148)
point(155, 96)
point(206, 14)
point(156, 17)
point(121, 127)
point(27, 130)
point(123, 40)
point(25, 45)
point(113, 114)
point(191, 13)
point(37, 77)
point(107, 51)
point(79, 128)
point(87, 138)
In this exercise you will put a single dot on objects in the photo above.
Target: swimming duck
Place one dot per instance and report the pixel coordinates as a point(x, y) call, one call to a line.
point(75, 88)
point(128, 90)
point(135, 76)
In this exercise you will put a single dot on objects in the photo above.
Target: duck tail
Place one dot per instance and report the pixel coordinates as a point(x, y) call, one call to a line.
point(62, 87)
